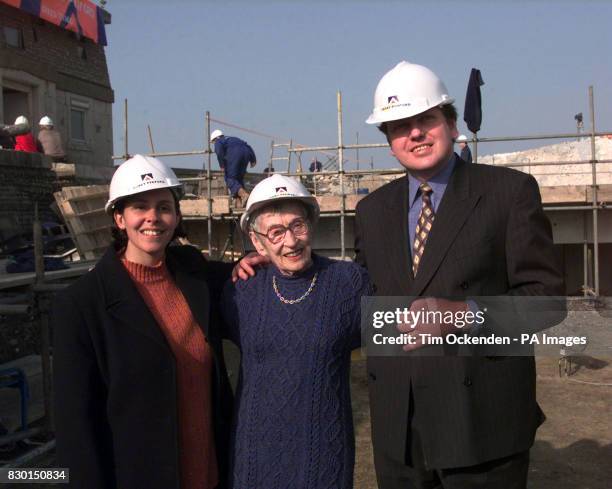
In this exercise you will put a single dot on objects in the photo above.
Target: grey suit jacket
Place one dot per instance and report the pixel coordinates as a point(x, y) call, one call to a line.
point(490, 238)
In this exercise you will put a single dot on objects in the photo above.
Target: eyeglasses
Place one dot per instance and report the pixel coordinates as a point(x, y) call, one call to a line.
point(276, 234)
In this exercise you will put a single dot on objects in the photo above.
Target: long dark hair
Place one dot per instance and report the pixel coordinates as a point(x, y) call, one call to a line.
point(120, 237)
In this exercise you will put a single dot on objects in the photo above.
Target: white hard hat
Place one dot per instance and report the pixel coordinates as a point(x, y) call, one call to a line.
point(46, 121)
point(462, 138)
point(21, 120)
point(276, 188)
point(140, 174)
point(215, 134)
point(405, 91)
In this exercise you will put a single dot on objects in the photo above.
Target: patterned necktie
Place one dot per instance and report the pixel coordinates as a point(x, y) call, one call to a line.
point(423, 227)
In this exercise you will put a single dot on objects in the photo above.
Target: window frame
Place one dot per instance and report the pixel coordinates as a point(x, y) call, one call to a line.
point(20, 38)
point(83, 108)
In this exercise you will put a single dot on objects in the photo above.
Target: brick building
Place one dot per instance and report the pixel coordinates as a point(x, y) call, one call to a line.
point(46, 69)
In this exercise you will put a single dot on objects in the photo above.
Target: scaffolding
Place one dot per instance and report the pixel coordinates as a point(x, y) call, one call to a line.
point(355, 176)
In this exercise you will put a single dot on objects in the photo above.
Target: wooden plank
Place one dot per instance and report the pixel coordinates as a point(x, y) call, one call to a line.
point(332, 203)
point(86, 192)
point(352, 200)
point(574, 194)
point(83, 212)
point(604, 193)
point(563, 194)
point(199, 207)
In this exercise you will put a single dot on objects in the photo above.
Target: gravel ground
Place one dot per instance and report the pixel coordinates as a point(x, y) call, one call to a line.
point(573, 449)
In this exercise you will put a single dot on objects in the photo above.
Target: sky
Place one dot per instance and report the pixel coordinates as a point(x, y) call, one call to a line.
point(275, 67)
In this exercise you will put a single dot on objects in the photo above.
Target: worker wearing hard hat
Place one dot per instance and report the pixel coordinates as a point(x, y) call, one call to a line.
point(8, 134)
point(466, 154)
point(24, 141)
point(447, 231)
point(234, 155)
point(50, 140)
point(142, 397)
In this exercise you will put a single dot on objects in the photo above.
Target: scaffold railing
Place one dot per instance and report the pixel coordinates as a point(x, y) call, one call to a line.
point(594, 207)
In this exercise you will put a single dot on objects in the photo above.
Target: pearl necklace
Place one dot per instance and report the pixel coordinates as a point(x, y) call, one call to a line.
point(294, 301)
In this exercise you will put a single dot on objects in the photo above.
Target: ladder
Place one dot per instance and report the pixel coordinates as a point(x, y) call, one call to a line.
point(287, 158)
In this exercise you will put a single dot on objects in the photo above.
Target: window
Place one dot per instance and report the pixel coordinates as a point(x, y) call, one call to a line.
point(13, 37)
point(79, 117)
point(77, 123)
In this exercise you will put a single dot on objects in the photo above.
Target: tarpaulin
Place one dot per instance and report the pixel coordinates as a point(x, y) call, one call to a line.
point(80, 16)
point(472, 113)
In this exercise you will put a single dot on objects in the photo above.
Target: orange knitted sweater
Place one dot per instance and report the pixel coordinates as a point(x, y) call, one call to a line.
point(193, 357)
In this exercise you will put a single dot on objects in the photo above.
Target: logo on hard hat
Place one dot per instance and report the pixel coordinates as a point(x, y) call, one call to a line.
point(281, 190)
point(393, 99)
point(147, 177)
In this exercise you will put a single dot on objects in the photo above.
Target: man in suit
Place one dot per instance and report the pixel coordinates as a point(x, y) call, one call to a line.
point(447, 230)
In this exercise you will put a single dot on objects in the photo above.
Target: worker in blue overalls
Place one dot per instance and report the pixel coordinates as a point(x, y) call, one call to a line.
point(233, 155)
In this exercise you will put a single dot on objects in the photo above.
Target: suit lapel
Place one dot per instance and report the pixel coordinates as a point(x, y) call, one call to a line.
point(127, 306)
point(124, 302)
point(396, 227)
point(457, 204)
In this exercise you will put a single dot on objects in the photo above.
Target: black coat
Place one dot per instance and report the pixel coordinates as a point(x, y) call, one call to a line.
point(490, 238)
point(115, 377)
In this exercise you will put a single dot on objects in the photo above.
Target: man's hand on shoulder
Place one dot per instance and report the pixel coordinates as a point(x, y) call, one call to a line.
point(246, 268)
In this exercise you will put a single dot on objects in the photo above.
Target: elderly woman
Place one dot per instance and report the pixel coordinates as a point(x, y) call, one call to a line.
point(295, 323)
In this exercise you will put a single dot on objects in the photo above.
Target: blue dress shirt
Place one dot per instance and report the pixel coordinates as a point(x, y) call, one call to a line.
point(438, 184)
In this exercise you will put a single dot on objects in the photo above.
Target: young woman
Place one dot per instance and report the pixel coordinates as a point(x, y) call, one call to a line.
point(141, 391)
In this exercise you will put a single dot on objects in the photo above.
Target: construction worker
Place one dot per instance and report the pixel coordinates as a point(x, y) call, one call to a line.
point(451, 235)
point(234, 155)
point(315, 166)
point(466, 154)
point(142, 397)
point(25, 141)
point(50, 140)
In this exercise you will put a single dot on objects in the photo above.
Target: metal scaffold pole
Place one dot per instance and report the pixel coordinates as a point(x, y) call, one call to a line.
point(585, 256)
point(150, 139)
point(270, 165)
point(594, 192)
point(45, 337)
point(591, 209)
point(126, 153)
point(357, 148)
point(209, 184)
point(341, 175)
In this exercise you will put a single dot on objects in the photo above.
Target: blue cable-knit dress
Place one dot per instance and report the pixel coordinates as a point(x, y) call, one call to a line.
point(293, 426)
